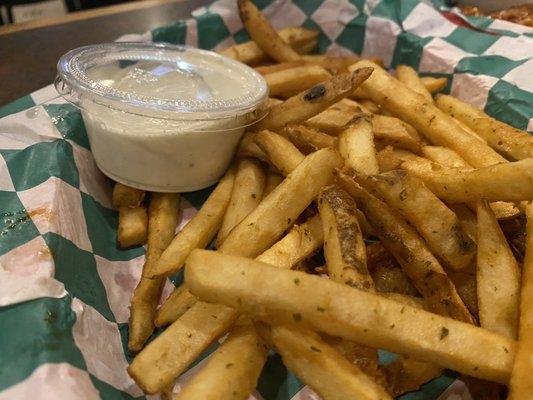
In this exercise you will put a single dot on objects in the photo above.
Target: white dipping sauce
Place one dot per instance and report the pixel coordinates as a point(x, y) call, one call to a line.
point(170, 124)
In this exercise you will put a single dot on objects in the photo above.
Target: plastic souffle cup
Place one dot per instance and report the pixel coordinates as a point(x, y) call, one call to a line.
point(161, 117)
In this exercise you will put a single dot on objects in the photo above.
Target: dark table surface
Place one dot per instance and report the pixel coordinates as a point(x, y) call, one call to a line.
point(29, 53)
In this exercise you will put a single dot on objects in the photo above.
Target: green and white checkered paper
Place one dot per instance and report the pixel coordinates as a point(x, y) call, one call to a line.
point(65, 287)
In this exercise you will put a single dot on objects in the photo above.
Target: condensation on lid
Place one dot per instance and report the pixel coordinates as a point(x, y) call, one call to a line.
point(155, 79)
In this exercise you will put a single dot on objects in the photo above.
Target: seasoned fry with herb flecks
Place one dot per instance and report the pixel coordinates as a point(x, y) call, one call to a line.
point(410, 78)
point(336, 309)
point(288, 82)
point(279, 151)
point(246, 194)
point(263, 34)
point(163, 214)
point(313, 101)
point(444, 156)
point(434, 85)
point(126, 196)
point(435, 222)
point(356, 146)
point(179, 301)
point(302, 40)
point(425, 117)
point(417, 262)
point(198, 232)
point(308, 139)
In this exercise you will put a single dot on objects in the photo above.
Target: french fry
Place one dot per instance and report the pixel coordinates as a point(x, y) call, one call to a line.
point(366, 228)
point(166, 357)
point(467, 219)
point(246, 194)
point(434, 85)
point(273, 179)
point(229, 370)
point(163, 214)
point(416, 302)
point(370, 106)
point(393, 132)
point(498, 277)
point(302, 40)
point(320, 366)
point(408, 76)
point(179, 301)
point(503, 138)
point(356, 146)
point(270, 69)
point(280, 209)
point(301, 241)
point(410, 251)
point(273, 101)
point(425, 117)
point(288, 82)
point(279, 151)
point(335, 65)
point(521, 386)
point(332, 121)
point(263, 34)
point(308, 139)
point(444, 156)
point(377, 254)
point(126, 196)
point(407, 375)
point(198, 232)
point(344, 248)
point(248, 148)
point(467, 288)
point(313, 101)
point(435, 222)
point(391, 158)
point(512, 181)
point(132, 226)
point(296, 297)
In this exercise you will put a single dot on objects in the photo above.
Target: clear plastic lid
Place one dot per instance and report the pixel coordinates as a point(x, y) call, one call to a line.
point(162, 81)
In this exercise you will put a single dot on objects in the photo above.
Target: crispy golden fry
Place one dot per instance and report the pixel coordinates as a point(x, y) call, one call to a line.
point(324, 305)
point(179, 301)
point(434, 85)
point(321, 366)
point(356, 146)
point(512, 181)
point(407, 375)
point(435, 222)
point(163, 215)
point(198, 232)
point(370, 106)
point(416, 302)
point(344, 248)
point(521, 386)
point(308, 139)
point(132, 226)
point(302, 241)
point(273, 101)
point(279, 151)
point(248, 148)
point(365, 226)
point(498, 277)
point(229, 370)
point(332, 121)
point(468, 130)
point(410, 251)
point(437, 126)
point(288, 82)
point(444, 156)
point(302, 40)
point(467, 288)
point(126, 196)
point(246, 195)
point(390, 158)
point(280, 209)
point(408, 76)
point(263, 34)
point(165, 358)
point(313, 101)
point(273, 179)
point(467, 219)
point(505, 139)
point(393, 132)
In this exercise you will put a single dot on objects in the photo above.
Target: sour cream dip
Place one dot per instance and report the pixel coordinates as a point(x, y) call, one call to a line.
point(161, 117)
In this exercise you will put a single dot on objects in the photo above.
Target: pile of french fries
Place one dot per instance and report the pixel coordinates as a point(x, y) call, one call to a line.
point(363, 212)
